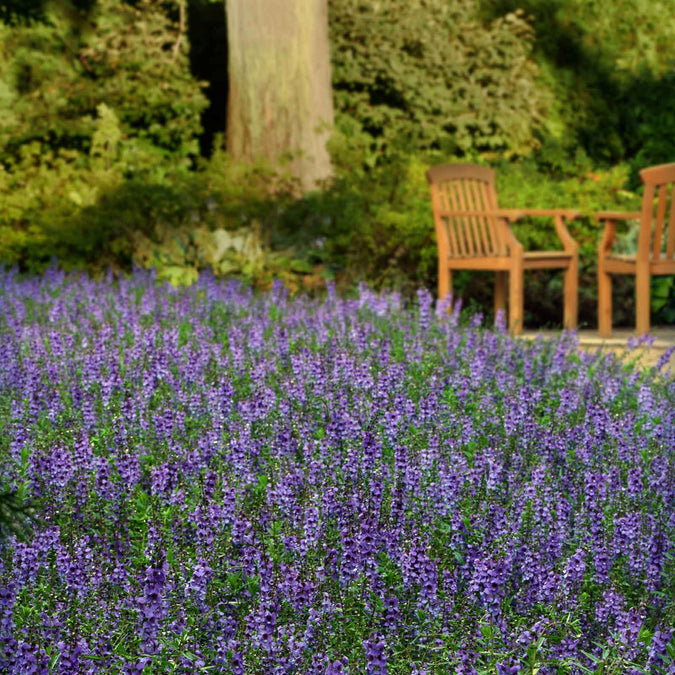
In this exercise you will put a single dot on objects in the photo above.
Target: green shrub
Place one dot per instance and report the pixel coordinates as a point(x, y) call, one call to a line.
point(609, 67)
point(372, 223)
point(131, 57)
point(84, 107)
point(430, 74)
point(649, 105)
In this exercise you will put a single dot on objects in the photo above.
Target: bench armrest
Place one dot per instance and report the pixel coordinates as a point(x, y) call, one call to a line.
point(559, 216)
point(610, 218)
point(618, 215)
point(570, 214)
point(508, 214)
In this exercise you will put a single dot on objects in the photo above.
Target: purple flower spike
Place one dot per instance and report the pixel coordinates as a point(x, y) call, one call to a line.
point(260, 483)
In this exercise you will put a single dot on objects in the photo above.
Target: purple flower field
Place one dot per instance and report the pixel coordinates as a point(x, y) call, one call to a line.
point(235, 483)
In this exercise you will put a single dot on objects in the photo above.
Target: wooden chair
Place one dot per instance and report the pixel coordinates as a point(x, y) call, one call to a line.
point(473, 233)
point(655, 247)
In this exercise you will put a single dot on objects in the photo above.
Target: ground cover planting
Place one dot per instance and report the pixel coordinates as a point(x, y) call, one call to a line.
point(239, 483)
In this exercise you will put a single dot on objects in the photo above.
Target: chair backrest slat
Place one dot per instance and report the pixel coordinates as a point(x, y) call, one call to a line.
point(448, 222)
point(660, 217)
point(467, 188)
point(462, 223)
point(497, 246)
point(439, 200)
point(481, 236)
point(473, 229)
point(449, 205)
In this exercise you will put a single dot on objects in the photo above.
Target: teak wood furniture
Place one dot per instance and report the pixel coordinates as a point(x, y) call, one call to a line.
point(473, 233)
point(655, 248)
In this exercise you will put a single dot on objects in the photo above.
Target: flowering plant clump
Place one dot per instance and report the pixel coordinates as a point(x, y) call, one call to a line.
point(238, 483)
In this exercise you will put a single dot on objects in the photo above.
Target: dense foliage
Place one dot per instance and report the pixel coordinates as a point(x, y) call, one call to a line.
point(85, 106)
point(432, 74)
point(251, 484)
point(610, 68)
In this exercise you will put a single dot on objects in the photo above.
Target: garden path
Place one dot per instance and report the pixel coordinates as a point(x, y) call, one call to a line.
point(647, 356)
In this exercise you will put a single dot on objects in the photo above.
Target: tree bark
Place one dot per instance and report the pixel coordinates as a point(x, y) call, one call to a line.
point(280, 97)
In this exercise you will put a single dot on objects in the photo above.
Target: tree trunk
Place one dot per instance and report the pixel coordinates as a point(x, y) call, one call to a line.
point(280, 97)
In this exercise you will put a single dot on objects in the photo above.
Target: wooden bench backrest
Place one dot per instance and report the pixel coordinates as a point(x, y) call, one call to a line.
point(657, 225)
point(466, 187)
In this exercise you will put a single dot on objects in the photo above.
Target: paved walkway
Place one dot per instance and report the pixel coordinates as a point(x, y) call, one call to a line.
point(648, 356)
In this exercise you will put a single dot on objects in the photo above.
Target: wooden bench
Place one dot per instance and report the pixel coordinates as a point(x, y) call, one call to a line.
point(473, 233)
point(655, 247)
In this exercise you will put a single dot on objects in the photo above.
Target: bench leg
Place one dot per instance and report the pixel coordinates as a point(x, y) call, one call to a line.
point(501, 283)
point(642, 306)
point(571, 295)
point(604, 302)
point(516, 299)
point(444, 282)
